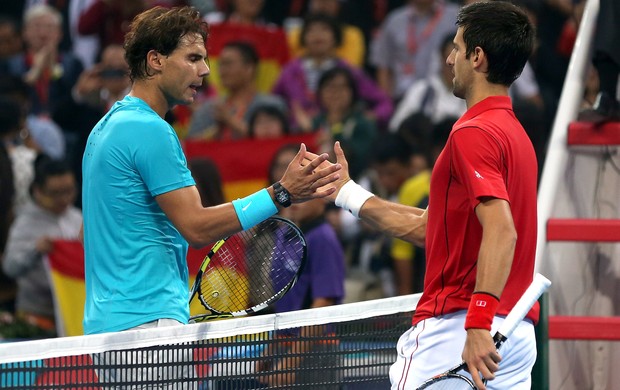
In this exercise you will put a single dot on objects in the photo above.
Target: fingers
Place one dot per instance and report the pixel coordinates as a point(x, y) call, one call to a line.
point(301, 155)
point(324, 181)
point(484, 369)
point(340, 158)
point(475, 376)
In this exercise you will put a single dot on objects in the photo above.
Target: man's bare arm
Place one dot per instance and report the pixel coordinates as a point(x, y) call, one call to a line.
point(401, 221)
point(495, 258)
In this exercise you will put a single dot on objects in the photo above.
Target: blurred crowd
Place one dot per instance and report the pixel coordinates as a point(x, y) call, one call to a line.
point(368, 73)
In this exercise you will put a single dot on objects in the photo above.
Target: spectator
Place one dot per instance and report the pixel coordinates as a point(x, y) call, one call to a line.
point(208, 181)
point(409, 260)
point(606, 60)
point(406, 46)
point(392, 163)
point(342, 120)
point(9, 128)
point(10, 40)
point(109, 20)
point(591, 88)
point(50, 216)
point(37, 135)
point(431, 96)
point(322, 281)
point(226, 116)
point(243, 22)
point(320, 284)
point(246, 12)
point(268, 122)
point(105, 83)
point(50, 72)
point(353, 46)
point(320, 36)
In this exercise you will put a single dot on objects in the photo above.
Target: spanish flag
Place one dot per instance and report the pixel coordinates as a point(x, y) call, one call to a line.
point(270, 43)
point(243, 164)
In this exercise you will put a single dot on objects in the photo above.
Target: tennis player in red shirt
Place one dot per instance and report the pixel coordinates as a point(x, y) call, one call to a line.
point(480, 226)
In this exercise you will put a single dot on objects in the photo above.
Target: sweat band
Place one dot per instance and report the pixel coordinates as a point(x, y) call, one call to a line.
point(352, 197)
point(482, 308)
point(255, 208)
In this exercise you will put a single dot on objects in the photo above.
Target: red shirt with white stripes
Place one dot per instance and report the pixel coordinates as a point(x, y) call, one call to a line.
point(488, 154)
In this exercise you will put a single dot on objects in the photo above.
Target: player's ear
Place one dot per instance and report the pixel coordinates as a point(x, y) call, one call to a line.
point(154, 60)
point(479, 59)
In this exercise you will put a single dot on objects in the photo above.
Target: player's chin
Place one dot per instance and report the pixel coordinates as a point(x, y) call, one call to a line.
point(187, 99)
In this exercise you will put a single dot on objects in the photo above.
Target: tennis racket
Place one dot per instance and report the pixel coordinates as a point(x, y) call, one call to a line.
point(249, 270)
point(454, 381)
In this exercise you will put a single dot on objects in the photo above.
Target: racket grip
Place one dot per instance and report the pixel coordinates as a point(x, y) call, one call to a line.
point(523, 306)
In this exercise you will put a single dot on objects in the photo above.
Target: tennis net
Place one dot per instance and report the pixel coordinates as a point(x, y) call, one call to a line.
point(350, 346)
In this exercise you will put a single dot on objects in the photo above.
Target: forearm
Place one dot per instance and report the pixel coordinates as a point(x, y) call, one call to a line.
point(400, 221)
point(497, 247)
point(201, 226)
point(495, 260)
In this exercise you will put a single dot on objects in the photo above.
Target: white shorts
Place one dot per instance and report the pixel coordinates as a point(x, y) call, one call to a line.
point(435, 345)
point(125, 370)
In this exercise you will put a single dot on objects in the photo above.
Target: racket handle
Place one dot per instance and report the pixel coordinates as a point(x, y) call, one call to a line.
point(520, 310)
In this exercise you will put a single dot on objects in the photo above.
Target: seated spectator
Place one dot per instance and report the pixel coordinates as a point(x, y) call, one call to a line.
point(268, 122)
point(410, 261)
point(406, 46)
point(342, 120)
point(226, 116)
point(320, 36)
point(10, 40)
point(104, 83)
point(50, 73)
point(321, 283)
point(37, 135)
point(243, 22)
point(353, 47)
point(51, 215)
point(208, 181)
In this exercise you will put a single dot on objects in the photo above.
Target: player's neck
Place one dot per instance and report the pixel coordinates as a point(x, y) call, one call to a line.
point(153, 97)
point(482, 91)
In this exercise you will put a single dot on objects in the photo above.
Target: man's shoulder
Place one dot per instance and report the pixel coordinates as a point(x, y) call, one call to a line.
point(398, 15)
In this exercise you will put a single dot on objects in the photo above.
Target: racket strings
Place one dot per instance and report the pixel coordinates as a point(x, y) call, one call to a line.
point(253, 267)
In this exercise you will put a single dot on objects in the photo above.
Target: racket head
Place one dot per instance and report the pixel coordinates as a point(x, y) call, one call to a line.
point(251, 269)
point(448, 381)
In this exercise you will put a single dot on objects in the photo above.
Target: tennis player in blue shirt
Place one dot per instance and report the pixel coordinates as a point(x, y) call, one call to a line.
point(141, 207)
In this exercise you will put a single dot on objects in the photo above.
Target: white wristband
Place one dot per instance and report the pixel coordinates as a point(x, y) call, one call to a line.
point(352, 197)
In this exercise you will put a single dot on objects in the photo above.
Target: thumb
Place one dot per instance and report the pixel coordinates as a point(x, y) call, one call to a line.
point(340, 158)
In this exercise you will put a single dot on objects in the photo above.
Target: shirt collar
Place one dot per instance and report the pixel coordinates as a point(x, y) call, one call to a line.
point(490, 103)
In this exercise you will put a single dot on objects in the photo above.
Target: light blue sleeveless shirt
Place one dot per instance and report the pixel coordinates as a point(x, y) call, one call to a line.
point(135, 259)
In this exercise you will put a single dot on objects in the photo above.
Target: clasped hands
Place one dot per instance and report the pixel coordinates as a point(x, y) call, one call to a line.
point(309, 175)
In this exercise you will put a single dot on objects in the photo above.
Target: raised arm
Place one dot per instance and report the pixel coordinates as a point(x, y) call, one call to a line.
point(401, 221)
point(201, 226)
